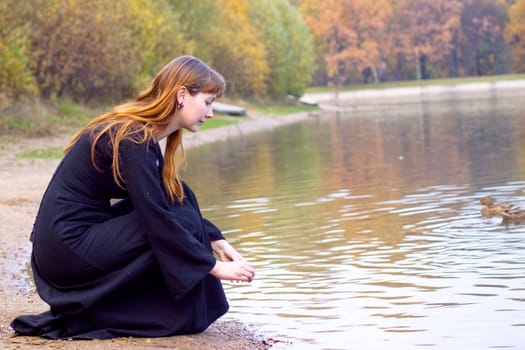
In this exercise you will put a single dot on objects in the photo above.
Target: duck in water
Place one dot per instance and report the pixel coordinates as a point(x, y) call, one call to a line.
point(492, 209)
point(513, 216)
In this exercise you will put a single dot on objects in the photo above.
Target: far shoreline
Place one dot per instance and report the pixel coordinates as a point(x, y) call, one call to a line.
point(367, 99)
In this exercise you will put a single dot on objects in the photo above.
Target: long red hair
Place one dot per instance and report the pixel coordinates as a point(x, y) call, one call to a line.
point(150, 114)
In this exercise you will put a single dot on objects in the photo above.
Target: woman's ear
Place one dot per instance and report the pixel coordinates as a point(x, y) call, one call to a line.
point(180, 94)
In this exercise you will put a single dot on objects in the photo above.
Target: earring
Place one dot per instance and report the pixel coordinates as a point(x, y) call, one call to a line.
point(180, 105)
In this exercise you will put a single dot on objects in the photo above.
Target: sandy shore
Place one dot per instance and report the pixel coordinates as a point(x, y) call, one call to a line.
point(22, 182)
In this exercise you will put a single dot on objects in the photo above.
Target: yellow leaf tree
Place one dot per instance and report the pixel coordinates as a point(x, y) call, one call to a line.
point(16, 79)
point(227, 41)
point(100, 49)
point(237, 52)
point(515, 33)
point(351, 36)
point(156, 35)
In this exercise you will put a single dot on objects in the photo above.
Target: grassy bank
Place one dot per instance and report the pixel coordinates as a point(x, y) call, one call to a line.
point(39, 118)
point(50, 117)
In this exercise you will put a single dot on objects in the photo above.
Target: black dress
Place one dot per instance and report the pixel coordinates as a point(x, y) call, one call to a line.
point(137, 267)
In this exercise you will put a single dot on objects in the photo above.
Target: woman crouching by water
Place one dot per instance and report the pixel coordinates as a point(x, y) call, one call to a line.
point(143, 265)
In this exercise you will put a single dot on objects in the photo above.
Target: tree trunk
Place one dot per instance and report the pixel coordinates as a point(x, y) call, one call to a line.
point(374, 74)
point(418, 66)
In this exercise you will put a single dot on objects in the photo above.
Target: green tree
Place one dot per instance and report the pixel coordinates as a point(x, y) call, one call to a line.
point(289, 50)
point(16, 79)
point(228, 42)
point(156, 35)
point(194, 21)
point(300, 57)
point(237, 52)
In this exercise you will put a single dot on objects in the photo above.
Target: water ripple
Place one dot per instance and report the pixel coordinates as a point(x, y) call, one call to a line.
point(357, 248)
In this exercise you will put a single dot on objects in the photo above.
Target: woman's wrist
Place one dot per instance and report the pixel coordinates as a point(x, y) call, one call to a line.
point(218, 244)
point(215, 269)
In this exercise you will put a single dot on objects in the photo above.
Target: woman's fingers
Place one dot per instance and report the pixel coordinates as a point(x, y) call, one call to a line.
point(249, 270)
point(231, 254)
point(237, 257)
point(226, 252)
point(245, 272)
point(242, 271)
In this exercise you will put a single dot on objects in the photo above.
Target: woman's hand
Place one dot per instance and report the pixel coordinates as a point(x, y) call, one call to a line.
point(225, 251)
point(232, 265)
point(235, 271)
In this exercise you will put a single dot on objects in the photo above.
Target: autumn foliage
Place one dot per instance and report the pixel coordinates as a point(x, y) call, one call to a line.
point(359, 41)
point(107, 50)
point(15, 77)
point(516, 34)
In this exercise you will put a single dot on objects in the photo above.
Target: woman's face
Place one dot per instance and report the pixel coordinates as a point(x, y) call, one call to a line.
point(196, 110)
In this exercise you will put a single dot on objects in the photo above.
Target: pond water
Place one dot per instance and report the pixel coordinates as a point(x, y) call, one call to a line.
point(365, 227)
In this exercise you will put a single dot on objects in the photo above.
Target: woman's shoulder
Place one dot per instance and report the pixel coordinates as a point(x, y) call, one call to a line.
point(104, 140)
point(105, 134)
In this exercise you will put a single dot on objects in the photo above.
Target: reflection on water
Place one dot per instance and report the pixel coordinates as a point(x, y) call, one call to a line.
point(365, 228)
